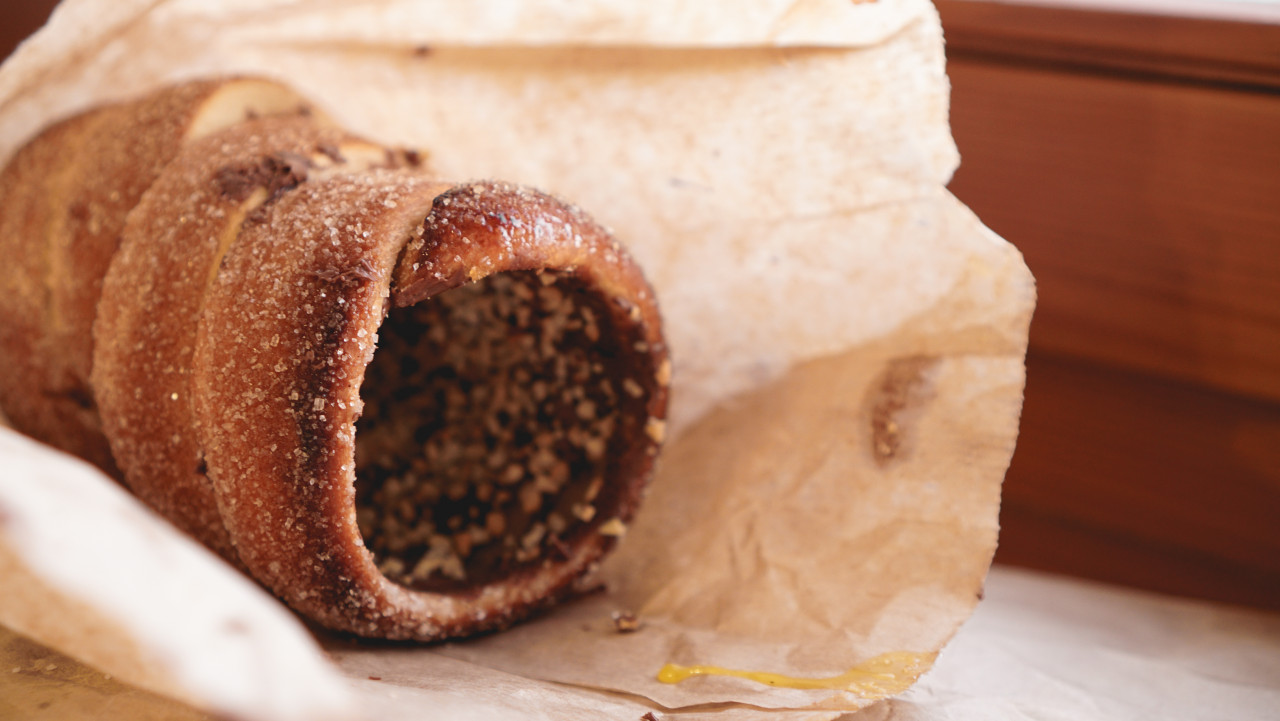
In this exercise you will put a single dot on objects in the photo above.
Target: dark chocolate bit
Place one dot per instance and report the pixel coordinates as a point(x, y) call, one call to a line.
point(286, 171)
point(403, 158)
point(277, 173)
point(235, 182)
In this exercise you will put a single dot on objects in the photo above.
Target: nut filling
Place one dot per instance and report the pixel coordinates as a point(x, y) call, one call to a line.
point(494, 413)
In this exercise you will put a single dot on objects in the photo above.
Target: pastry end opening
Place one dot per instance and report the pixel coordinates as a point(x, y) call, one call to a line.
point(503, 420)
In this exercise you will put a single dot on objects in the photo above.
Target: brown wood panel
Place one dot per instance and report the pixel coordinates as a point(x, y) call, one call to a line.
point(1149, 213)
point(20, 19)
point(1135, 160)
point(1147, 482)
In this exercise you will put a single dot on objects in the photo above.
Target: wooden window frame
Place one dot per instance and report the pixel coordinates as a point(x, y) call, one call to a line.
point(1131, 149)
point(1218, 42)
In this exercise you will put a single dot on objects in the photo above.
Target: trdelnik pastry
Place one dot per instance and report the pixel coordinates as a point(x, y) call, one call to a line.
point(413, 409)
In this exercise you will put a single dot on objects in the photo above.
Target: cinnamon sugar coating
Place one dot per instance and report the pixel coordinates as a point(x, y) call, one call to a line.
point(64, 198)
point(153, 294)
point(290, 329)
point(412, 409)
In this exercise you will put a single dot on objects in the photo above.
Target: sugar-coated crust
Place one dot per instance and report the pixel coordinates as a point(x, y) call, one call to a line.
point(153, 295)
point(63, 203)
point(236, 323)
point(287, 332)
point(34, 202)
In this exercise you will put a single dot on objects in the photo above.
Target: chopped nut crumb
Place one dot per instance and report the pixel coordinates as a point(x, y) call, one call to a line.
point(633, 389)
point(625, 622)
point(488, 412)
point(663, 375)
point(613, 527)
point(656, 429)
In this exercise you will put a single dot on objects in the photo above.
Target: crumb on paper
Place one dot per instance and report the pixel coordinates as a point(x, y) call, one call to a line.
point(905, 385)
point(625, 622)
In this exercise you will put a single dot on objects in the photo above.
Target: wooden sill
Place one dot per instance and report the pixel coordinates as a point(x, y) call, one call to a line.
point(1241, 45)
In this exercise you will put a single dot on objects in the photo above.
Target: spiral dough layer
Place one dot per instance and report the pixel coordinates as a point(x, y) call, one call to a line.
point(412, 409)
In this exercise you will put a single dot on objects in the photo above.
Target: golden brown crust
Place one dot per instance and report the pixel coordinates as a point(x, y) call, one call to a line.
point(36, 192)
point(63, 203)
point(288, 328)
point(287, 332)
point(154, 292)
point(238, 319)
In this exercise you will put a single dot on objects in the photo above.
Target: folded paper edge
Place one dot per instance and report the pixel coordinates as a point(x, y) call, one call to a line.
point(152, 631)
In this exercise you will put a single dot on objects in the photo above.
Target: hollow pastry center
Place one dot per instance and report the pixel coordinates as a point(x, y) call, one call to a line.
point(490, 415)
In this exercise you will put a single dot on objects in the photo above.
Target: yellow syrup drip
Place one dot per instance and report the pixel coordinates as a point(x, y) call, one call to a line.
point(880, 677)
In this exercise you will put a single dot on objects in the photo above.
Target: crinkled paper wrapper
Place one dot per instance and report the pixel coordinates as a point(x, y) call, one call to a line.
point(848, 338)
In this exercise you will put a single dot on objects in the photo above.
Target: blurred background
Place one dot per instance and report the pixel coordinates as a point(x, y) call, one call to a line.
point(1131, 150)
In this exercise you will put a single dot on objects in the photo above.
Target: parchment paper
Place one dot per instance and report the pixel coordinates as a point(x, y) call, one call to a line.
point(848, 339)
point(88, 569)
point(1038, 647)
